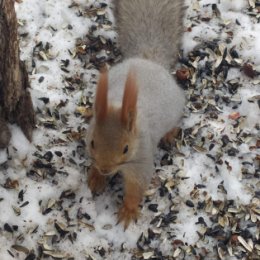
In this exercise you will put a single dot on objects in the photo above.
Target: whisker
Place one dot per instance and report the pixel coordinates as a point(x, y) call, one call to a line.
point(137, 161)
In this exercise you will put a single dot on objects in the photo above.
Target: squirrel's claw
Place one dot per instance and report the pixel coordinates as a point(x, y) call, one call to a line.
point(96, 181)
point(126, 215)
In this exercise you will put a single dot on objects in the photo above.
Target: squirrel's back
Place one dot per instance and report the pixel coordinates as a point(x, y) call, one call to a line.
point(160, 101)
point(150, 29)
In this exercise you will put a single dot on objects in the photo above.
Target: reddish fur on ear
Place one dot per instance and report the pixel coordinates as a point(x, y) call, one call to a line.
point(129, 111)
point(101, 104)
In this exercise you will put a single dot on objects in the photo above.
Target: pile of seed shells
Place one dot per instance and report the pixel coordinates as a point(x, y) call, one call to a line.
point(233, 229)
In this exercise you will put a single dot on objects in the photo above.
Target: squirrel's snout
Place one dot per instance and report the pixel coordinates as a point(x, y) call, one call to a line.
point(105, 171)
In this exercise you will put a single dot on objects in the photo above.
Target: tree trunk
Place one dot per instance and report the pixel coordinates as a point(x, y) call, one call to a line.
point(15, 100)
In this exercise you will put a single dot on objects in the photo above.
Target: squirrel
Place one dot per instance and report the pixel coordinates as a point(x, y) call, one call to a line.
point(137, 101)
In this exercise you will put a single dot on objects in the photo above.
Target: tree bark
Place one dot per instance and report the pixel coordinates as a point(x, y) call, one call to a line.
point(15, 99)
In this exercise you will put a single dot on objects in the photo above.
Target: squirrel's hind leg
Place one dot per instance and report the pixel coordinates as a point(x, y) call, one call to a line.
point(169, 139)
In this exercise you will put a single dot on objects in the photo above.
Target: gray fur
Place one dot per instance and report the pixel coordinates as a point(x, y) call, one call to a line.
point(160, 100)
point(150, 29)
point(159, 107)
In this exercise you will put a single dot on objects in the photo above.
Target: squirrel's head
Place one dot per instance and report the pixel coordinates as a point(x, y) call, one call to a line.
point(112, 133)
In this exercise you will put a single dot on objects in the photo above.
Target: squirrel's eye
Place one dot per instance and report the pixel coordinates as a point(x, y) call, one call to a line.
point(92, 144)
point(125, 149)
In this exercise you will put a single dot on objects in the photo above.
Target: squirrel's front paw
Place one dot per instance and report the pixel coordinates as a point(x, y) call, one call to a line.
point(96, 181)
point(128, 213)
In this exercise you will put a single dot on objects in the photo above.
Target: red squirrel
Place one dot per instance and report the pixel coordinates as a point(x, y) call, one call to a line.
point(137, 102)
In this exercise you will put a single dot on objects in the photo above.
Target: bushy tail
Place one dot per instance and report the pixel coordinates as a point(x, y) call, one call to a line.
point(150, 29)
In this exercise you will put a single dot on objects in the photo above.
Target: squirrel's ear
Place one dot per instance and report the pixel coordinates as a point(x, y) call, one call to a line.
point(129, 110)
point(101, 105)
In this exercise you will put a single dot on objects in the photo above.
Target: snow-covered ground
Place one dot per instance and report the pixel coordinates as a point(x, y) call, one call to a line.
point(204, 199)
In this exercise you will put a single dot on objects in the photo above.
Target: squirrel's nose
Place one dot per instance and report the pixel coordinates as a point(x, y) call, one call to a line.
point(105, 171)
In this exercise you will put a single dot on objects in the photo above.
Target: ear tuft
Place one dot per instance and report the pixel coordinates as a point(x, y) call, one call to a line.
point(101, 104)
point(129, 110)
